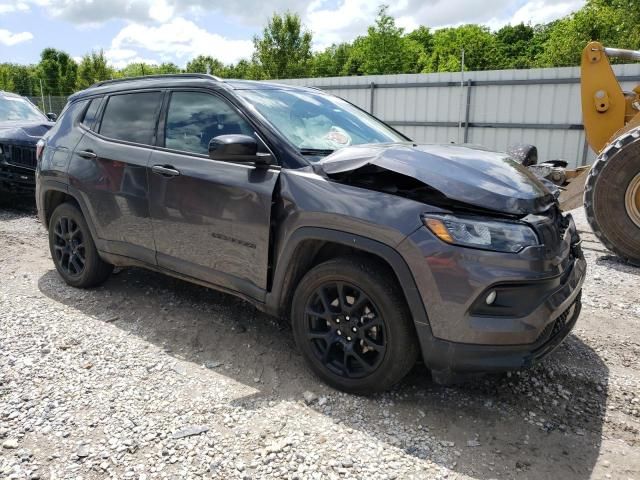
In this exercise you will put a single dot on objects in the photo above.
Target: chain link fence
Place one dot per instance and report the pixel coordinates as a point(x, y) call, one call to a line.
point(49, 103)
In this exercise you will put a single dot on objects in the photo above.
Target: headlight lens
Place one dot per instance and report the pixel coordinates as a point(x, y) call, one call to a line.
point(483, 233)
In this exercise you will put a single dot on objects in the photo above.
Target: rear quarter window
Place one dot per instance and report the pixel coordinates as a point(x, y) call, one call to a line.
point(91, 114)
point(132, 117)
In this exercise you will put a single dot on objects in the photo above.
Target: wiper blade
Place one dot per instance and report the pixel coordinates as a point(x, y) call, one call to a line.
point(316, 151)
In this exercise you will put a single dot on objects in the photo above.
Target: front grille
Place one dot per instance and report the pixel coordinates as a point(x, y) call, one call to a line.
point(21, 156)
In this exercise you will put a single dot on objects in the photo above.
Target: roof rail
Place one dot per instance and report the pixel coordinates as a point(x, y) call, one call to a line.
point(155, 77)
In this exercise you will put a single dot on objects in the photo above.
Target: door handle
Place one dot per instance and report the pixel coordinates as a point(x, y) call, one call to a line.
point(87, 154)
point(165, 170)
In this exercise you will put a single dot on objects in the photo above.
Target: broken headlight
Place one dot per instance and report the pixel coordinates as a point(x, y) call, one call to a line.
point(480, 232)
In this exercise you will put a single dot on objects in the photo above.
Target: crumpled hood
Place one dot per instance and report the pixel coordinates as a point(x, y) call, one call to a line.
point(466, 174)
point(24, 132)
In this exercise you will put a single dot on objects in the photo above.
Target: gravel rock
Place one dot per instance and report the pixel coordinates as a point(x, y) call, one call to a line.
point(189, 432)
point(309, 397)
point(10, 444)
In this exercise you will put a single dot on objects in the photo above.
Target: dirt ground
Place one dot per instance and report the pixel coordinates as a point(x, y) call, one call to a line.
point(151, 377)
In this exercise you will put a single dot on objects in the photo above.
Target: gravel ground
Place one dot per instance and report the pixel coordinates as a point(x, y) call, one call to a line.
point(151, 377)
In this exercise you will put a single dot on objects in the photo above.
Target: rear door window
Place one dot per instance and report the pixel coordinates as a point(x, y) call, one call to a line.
point(132, 117)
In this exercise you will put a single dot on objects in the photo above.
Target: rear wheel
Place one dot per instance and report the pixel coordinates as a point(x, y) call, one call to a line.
point(352, 325)
point(612, 196)
point(72, 249)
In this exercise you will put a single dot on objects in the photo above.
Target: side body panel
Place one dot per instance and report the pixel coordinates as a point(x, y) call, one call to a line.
point(114, 187)
point(213, 220)
point(308, 204)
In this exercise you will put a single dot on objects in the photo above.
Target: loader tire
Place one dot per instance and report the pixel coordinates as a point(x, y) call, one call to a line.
point(612, 196)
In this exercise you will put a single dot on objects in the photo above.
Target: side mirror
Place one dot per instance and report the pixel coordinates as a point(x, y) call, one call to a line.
point(526, 155)
point(52, 116)
point(237, 148)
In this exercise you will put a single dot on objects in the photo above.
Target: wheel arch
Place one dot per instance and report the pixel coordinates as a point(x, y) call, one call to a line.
point(309, 246)
point(51, 199)
point(52, 194)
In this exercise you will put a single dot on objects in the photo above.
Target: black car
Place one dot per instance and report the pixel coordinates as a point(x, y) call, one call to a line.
point(379, 250)
point(21, 126)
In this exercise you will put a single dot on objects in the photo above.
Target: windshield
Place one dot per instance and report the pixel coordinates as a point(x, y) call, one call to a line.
point(16, 108)
point(318, 124)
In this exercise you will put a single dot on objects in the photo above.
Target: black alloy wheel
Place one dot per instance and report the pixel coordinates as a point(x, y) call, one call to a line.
point(345, 328)
point(69, 247)
point(72, 248)
point(352, 325)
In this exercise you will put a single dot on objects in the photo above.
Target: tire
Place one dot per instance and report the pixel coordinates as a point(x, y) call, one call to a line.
point(364, 344)
point(73, 251)
point(614, 172)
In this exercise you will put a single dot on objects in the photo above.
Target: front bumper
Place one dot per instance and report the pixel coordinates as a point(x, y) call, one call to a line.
point(448, 358)
point(17, 180)
point(539, 289)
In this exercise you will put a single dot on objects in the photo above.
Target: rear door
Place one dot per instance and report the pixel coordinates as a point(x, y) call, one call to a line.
point(211, 219)
point(109, 170)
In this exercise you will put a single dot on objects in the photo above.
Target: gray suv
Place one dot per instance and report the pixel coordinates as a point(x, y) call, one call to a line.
point(380, 251)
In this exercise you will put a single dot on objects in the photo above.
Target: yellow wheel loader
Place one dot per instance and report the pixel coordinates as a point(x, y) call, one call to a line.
point(612, 127)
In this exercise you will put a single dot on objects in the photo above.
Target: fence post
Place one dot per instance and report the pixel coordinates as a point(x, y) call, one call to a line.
point(372, 88)
point(466, 114)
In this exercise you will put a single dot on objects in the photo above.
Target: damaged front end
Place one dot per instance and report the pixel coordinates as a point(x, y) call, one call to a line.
point(498, 266)
point(446, 176)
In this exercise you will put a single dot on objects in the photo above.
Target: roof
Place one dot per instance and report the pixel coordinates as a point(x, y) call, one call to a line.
point(178, 80)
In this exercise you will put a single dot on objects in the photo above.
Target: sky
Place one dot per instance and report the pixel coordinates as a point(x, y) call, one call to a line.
point(156, 31)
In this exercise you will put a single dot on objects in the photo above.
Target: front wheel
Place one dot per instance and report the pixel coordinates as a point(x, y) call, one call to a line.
point(352, 325)
point(72, 249)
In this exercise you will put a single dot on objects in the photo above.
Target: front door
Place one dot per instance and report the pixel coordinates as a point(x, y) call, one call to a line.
point(211, 219)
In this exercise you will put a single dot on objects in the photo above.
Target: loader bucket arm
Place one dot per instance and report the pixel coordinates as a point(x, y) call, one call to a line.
point(603, 101)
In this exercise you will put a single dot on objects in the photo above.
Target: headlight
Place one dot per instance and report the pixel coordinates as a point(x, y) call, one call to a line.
point(483, 233)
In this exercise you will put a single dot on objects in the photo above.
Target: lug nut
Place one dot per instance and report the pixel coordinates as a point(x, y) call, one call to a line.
point(339, 332)
point(349, 339)
point(347, 317)
point(354, 329)
point(337, 320)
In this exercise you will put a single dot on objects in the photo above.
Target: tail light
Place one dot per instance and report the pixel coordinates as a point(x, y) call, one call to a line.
point(39, 149)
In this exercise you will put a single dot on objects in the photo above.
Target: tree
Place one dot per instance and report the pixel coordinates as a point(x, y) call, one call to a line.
point(331, 62)
point(249, 70)
point(479, 47)
point(385, 49)
point(21, 79)
point(284, 49)
point(93, 68)
point(165, 68)
point(6, 77)
point(612, 22)
point(58, 72)
point(515, 47)
point(423, 36)
point(205, 64)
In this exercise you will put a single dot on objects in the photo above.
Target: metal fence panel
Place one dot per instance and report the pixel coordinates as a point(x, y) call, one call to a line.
point(496, 108)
